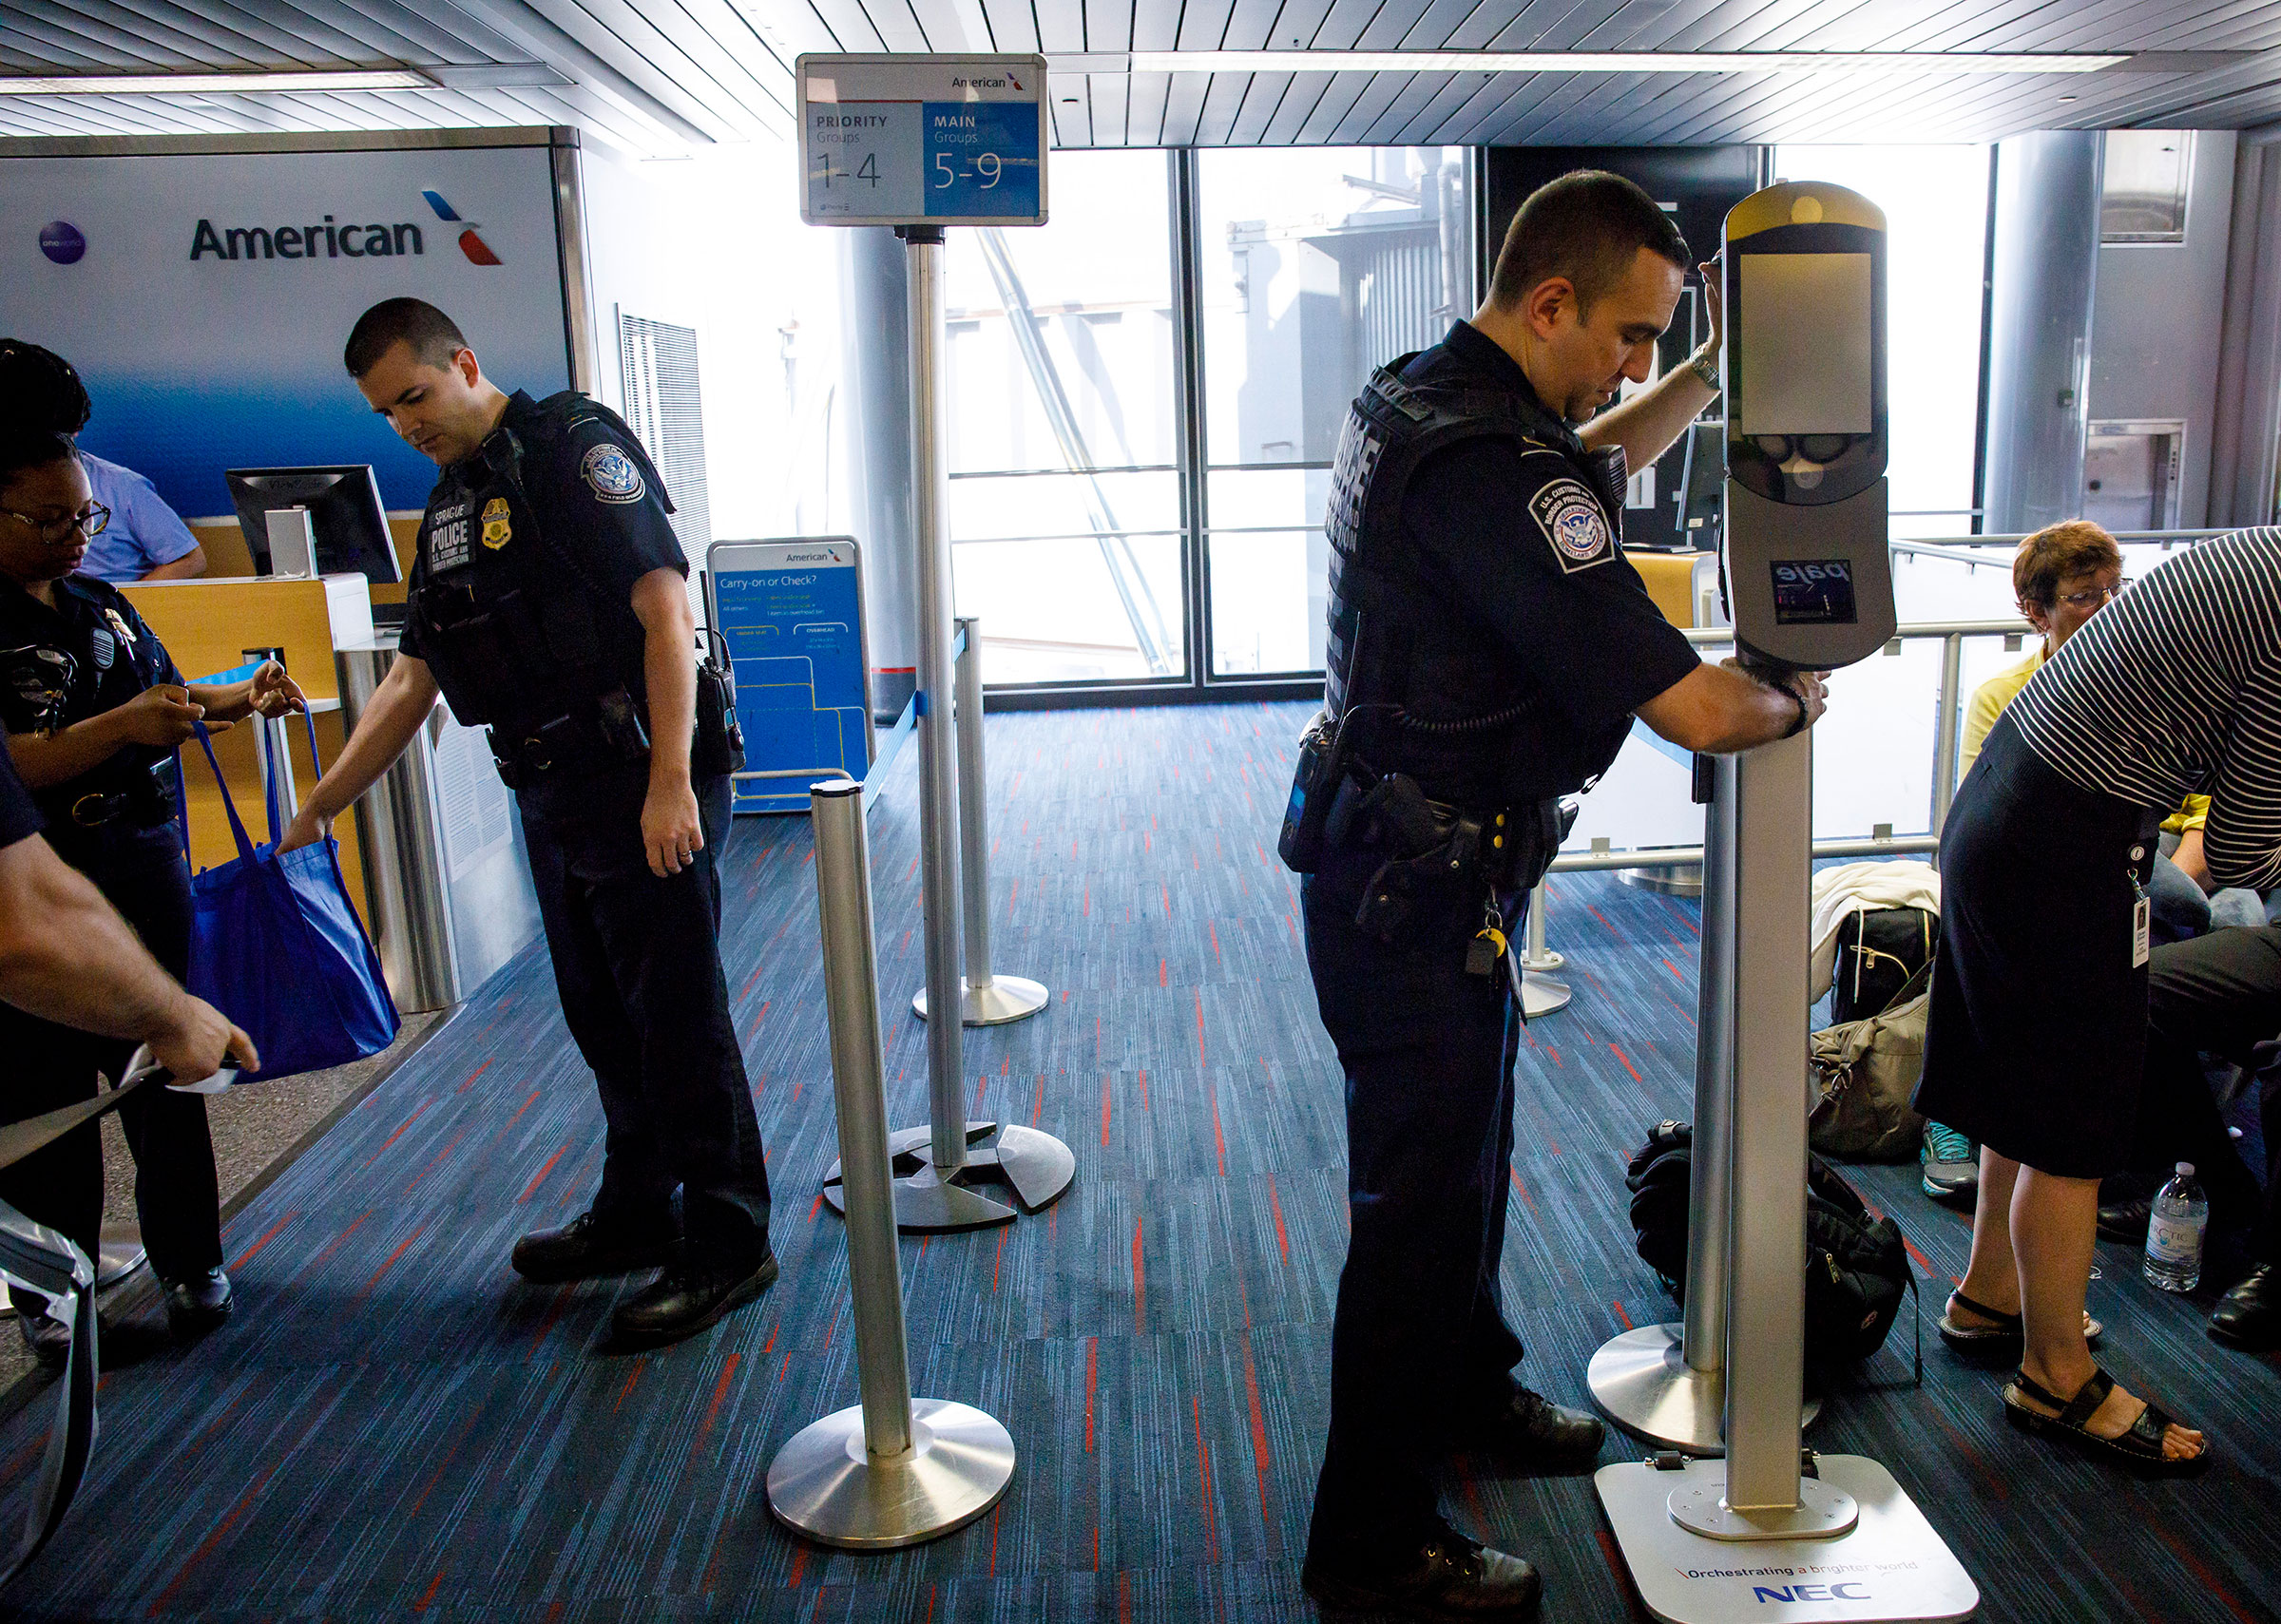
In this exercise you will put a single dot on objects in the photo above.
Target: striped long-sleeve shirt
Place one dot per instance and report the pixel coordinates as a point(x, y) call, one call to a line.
point(2176, 687)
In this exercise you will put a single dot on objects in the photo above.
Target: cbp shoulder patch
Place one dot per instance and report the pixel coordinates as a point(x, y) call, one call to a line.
point(1569, 515)
point(611, 474)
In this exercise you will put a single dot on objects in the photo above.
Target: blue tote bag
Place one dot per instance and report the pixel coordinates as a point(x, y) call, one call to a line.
point(276, 947)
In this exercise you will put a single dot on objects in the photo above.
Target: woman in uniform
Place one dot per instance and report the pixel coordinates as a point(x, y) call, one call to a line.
point(93, 709)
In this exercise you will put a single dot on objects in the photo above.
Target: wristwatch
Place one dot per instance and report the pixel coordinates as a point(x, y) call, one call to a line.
point(1799, 725)
point(1704, 365)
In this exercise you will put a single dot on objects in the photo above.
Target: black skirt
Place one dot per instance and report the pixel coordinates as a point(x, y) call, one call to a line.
point(2035, 1033)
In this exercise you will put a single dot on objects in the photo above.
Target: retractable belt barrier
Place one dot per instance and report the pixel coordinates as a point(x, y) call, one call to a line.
point(44, 1260)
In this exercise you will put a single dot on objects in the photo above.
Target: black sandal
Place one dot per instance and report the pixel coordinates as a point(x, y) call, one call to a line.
point(2140, 1448)
point(2003, 1340)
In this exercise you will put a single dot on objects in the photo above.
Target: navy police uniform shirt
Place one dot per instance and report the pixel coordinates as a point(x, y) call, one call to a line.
point(90, 654)
point(604, 518)
point(19, 817)
point(1515, 541)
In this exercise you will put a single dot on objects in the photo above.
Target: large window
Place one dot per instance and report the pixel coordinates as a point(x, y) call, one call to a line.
point(1107, 462)
point(1935, 200)
point(1316, 266)
point(1064, 507)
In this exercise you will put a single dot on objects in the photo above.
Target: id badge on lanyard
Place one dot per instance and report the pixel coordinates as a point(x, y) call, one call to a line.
point(2142, 925)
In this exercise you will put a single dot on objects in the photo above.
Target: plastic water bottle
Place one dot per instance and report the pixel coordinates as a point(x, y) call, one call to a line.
point(2174, 1234)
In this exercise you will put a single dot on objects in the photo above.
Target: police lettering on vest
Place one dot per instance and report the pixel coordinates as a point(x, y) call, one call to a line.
point(521, 598)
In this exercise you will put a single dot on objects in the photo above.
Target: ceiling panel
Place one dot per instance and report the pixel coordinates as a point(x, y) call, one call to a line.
point(663, 76)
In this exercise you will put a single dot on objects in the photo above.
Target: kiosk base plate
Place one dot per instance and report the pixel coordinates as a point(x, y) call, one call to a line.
point(1891, 1568)
point(1643, 1382)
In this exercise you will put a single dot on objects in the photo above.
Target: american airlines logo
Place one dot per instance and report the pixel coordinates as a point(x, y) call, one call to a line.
point(329, 238)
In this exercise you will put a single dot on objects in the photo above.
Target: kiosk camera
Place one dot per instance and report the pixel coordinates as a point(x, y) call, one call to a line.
point(1810, 586)
point(346, 526)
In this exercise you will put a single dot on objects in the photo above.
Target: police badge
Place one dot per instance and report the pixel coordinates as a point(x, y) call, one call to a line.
point(496, 530)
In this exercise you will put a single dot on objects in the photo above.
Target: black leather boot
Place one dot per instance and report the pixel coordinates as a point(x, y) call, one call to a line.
point(587, 1247)
point(690, 1296)
point(2249, 1316)
point(1450, 1578)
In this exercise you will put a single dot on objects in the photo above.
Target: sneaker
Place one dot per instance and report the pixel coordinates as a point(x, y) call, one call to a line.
point(1948, 1164)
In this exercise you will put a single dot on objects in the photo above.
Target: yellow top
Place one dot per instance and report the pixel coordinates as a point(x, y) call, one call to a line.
point(1988, 701)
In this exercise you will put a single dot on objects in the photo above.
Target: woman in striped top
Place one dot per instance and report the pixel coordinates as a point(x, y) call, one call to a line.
point(2038, 1018)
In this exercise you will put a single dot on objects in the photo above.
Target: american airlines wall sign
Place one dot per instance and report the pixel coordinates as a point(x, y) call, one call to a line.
point(205, 296)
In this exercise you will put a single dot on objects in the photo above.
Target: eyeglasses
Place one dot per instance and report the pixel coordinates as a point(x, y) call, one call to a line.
point(2094, 596)
point(58, 532)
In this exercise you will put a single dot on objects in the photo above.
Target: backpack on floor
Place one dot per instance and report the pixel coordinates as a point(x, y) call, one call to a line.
point(1856, 1267)
point(1879, 952)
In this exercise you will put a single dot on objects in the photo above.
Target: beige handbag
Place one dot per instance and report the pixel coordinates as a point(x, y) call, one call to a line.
point(1865, 1071)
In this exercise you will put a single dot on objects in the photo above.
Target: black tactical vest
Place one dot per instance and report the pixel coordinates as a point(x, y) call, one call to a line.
point(514, 630)
point(1449, 707)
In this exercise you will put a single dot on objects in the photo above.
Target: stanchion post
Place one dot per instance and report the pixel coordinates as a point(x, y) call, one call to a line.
point(988, 1001)
point(938, 747)
point(925, 1467)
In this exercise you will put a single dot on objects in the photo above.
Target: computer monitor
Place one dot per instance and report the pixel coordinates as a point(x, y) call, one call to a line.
point(1703, 486)
point(345, 515)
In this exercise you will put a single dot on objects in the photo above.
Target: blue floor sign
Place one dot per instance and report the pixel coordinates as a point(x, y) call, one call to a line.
point(792, 614)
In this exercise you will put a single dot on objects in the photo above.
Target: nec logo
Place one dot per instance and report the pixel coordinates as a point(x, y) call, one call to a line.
point(1850, 1591)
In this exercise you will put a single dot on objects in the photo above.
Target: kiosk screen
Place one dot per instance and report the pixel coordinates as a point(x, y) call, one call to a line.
point(1813, 592)
point(1805, 364)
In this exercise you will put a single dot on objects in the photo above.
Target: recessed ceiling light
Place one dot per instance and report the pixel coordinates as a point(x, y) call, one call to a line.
point(211, 83)
point(1577, 61)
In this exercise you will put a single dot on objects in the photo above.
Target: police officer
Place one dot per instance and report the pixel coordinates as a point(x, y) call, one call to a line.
point(1489, 646)
point(547, 602)
point(94, 708)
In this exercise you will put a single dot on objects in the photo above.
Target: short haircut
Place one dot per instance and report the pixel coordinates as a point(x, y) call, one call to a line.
point(2072, 546)
point(40, 392)
point(22, 449)
point(1588, 227)
point(435, 337)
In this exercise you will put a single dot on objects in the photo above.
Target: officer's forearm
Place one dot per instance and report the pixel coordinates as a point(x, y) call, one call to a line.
point(1716, 711)
point(669, 669)
point(45, 759)
point(399, 707)
point(1648, 423)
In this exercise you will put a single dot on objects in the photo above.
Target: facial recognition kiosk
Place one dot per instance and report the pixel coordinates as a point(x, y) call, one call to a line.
point(1770, 1531)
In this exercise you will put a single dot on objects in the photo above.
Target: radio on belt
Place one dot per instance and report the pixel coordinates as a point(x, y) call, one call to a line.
point(1809, 578)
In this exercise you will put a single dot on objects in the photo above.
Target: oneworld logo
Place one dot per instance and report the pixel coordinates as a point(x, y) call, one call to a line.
point(477, 251)
point(63, 242)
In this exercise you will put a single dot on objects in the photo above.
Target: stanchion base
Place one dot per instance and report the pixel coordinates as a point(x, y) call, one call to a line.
point(1541, 995)
point(119, 1254)
point(1543, 963)
point(1643, 1383)
point(1007, 998)
point(1037, 1166)
point(1889, 1568)
point(823, 1485)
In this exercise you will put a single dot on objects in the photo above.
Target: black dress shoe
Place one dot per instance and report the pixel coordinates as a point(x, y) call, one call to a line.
point(1533, 1431)
point(690, 1296)
point(2249, 1316)
point(48, 1337)
point(587, 1247)
point(1453, 1577)
point(197, 1304)
point(2125, 1221)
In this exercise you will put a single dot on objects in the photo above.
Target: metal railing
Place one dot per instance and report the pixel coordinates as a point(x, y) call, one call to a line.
point(1947, 727)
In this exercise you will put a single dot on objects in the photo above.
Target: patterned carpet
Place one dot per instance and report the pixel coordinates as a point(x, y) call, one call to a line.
point(395, 1427)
